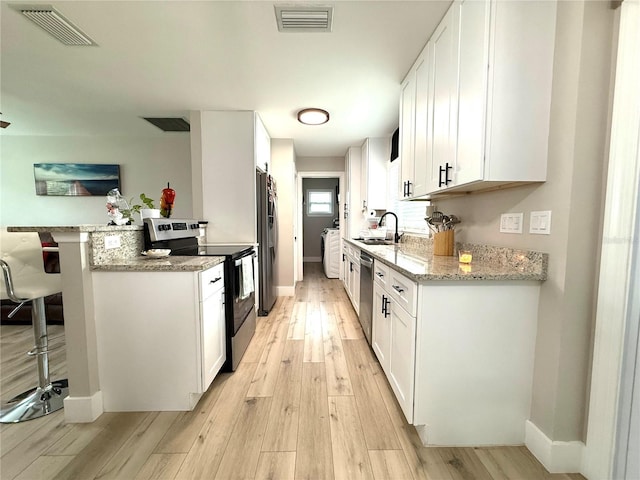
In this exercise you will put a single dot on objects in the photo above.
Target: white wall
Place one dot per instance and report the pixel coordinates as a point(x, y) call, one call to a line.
point(574, 193)
point(146, 165)
point(320, 164)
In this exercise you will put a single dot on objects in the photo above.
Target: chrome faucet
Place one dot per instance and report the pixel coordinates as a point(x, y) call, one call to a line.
point(396, 237)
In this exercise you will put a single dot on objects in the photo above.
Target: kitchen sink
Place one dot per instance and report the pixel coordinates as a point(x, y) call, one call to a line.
point(374, 241)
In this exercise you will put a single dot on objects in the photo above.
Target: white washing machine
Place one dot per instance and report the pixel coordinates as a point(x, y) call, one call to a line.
point(331, 252)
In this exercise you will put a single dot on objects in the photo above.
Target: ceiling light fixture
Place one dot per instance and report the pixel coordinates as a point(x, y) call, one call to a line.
point(313, 116)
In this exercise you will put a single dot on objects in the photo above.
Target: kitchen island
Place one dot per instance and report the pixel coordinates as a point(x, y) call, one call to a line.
point(456, 341)
point(86, 250)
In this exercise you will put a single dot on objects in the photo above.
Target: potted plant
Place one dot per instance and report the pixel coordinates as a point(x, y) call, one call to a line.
point(146, 210)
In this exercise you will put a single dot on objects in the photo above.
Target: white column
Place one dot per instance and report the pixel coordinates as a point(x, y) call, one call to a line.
point(84, 403)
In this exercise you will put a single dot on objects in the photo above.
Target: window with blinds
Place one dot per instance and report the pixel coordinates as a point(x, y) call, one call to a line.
point(320, 203)
point(410, 214)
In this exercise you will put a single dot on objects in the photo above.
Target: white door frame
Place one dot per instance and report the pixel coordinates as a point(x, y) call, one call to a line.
point(619, 247)
point(300, 212)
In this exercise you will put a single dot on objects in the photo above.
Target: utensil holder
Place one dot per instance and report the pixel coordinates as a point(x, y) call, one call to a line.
point(443, 243)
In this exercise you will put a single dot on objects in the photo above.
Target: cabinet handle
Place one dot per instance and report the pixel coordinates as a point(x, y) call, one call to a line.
point(364, 205)
point(351, 266)
point(444, 170)
point(380, 274)
point(385, 306)
point(215, 280)
point(343, 258)
point(398, 288)
point(409, 188)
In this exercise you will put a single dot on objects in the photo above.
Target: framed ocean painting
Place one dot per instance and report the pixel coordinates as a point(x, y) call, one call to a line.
point(75, 179)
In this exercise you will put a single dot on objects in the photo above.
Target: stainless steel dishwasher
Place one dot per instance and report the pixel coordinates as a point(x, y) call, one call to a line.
point(366, 293)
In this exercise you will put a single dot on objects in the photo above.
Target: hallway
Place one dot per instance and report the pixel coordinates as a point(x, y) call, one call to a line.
point(308, 401)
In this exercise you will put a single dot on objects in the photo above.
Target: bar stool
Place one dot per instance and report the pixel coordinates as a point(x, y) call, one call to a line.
point(26, 281)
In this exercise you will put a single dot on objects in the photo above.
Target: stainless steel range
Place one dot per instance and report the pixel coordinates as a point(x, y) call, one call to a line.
point(180, 235)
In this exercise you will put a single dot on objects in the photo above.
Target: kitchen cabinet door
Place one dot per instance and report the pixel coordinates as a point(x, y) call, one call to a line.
point(355, 290)
point(262, 145)
point(373, 184)
point(213, 336)
point(353, 204)
point(402, 358)
point(443, 50)
point(407, 132)
point(381, 328)
point(472, 91)
point(423, 123)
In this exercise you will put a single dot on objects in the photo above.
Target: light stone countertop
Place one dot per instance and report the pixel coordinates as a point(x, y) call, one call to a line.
point(489, 263)
point(75, 228)
point(166, 264)
point(125, 258)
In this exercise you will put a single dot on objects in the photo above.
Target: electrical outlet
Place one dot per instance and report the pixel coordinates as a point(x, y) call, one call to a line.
point(511, 223)
point(111, 241)
point(540, 222)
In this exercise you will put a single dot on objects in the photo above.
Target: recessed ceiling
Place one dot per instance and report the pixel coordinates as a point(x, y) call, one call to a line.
point(166, 58)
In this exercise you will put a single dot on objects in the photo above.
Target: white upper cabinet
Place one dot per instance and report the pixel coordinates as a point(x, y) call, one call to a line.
point(439, 156)
point(263, 146)
point(421, 147)
point(407, 131)
point(373, 174)
point(352, 201)
point(482, 117)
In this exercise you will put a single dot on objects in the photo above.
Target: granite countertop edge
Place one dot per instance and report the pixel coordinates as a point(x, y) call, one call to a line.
point(167, 264)
point(425, 267)
point(74, 228)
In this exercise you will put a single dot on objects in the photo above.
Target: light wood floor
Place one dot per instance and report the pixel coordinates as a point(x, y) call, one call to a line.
point(309, 401)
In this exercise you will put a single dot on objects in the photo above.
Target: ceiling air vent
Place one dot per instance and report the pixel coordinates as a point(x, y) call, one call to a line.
point(54, 23)
point(304, 18)
point(170, 124)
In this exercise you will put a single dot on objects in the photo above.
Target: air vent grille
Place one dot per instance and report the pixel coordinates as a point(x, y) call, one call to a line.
point(300, 18)
point(170, 124)
point(56, 25)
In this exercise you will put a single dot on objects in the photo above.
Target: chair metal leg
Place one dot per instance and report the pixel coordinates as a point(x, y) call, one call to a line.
point(47, 397)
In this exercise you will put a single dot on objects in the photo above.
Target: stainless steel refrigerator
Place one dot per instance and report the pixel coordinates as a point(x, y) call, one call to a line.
point(267, 240)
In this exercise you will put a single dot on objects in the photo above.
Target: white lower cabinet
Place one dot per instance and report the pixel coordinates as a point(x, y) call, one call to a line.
point(394, 334)
point(160, 337)
point(461, 368)
point(351, 280)
point(381, 328)
point(402, 357)
point(214, 345)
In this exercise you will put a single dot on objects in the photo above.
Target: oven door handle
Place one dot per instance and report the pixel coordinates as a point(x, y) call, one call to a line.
point(239, 261)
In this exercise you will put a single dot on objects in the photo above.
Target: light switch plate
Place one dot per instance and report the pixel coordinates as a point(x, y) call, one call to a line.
point(111, 241)
point(511, 222)
point(540, 222)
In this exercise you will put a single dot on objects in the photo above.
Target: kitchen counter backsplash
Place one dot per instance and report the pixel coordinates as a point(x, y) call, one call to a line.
point(414, 257)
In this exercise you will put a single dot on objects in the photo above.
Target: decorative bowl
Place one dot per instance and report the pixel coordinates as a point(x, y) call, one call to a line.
point(157, 253)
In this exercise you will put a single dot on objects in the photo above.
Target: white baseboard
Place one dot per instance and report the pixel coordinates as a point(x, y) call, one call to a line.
point(83, 409)
point(423, 433)
point(312, 259)
point(285, 291)
point(557, 457)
